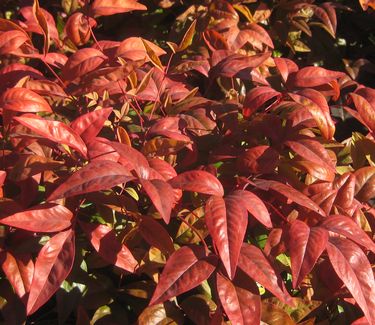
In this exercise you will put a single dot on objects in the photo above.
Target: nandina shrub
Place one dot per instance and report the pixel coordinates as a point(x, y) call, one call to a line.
point(195, 162)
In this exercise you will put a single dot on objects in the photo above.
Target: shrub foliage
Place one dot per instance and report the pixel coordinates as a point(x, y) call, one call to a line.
point(192, 162)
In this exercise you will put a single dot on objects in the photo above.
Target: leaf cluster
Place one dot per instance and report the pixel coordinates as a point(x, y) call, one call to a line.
point(186, 163)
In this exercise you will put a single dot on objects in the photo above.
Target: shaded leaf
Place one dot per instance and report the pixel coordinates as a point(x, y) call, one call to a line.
point(19, 270)
point(233, 64)
point(161, 195)
point(156, 235)
point(104, 241)
point(365, 183)
point(258, 160)
point(258, 97)
point(30, 165)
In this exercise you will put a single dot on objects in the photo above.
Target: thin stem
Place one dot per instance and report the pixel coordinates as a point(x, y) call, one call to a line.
point(53, 72)
point(276, 211)
point(131, 104)
point(197, 232)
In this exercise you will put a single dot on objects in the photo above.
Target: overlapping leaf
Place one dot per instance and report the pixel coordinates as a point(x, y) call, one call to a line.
point(305, 245)
point(55, 131)
point(238, 300)
point(227, 222)
point(253, 262)
point(187, 268)
point(103, 239)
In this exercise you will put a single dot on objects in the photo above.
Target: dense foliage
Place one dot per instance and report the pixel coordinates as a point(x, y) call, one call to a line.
point(195, 162)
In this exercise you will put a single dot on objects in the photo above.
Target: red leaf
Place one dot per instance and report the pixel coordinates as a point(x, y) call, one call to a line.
point(317, 106)
point(347, 227)
point(23, 100)
point(354, 269)
point(327, 15)
point(41, 25)
point(132, 159)
point(185, 269)
point(81, 62)
point(233, 64)
point(214, 40)
point(156, 235)
point(3, 175)
point(55, 131)
point(253, 262)
point(258, 97)
point(41, 218)
point(163, 168)
point(240, 304)
point(285, 67)
point(87, 126)
point(290, 193)
point(312, 150)
point(104, 241)
point(111, 7)
point(95, 176)
point(52, 266)
point(42, 22)
point(101, 149)
point(11, 41)
point(259, 33)
point(77, 28)
point(254, 205)
point(364, 185)
point(258, 160)
point(19, 270)
point(161, 195)
point(132, 48)
point(346, 188)
point(314, 76)
point(46, 88)
point(305, 246)
point(227, 223)
point(198, 181)
point(365, 110)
